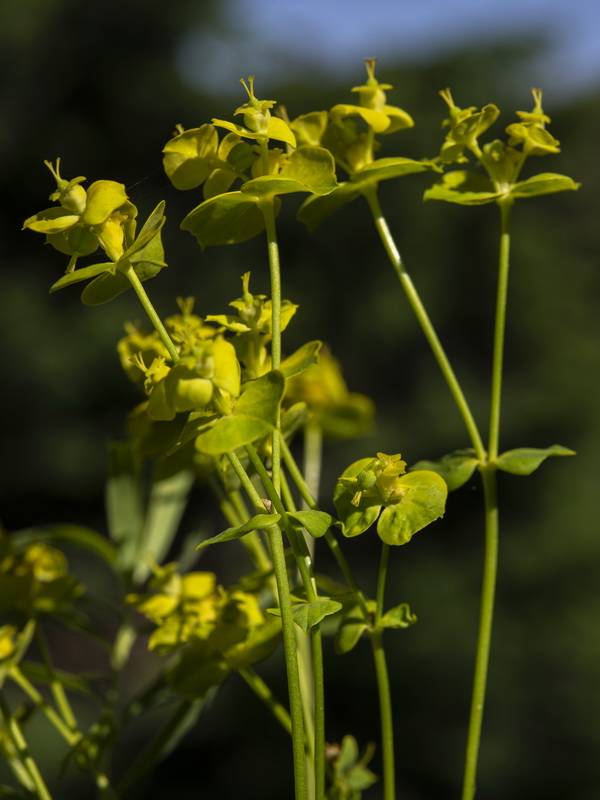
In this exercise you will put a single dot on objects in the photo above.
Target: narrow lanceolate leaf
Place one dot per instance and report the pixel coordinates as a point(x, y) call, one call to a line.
point(257, 522)
point(254, 416)
point(83, 274)
point(225, 219)
point(544, 183)
point(310, 169)
point(424, 502)
point(525, 460)
point(455, 468)
point(464, 188)
point(316, 523)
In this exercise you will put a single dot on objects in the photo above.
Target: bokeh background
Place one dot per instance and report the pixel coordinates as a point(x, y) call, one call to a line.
point(102, 86)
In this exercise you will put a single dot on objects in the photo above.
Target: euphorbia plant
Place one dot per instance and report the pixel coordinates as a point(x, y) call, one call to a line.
point(221, 402)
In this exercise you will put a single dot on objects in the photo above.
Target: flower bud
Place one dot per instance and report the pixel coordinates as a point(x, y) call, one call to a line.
point(70, 194)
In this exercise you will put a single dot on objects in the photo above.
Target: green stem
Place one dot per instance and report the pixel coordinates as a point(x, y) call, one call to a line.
point(332, 542)
point(31, 769)
point(383, 683)
point(251, 541)
point(131, 275)
point(71, 737)
point(304, 563)
point(385, 710)
point(58, 691)
point(287, 621)
point(488, 474)
point(262, 691)
point(503, 269)
point(268, 212)
point(424, 321)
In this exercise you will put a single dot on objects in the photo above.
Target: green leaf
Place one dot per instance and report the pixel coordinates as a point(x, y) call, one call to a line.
point(455, 468)
point(255, 415)
point(464, 188)
point(299, 360)
point(317, 209)
point(225, 219)
point(386, 168)
point(544, 183)
point(83, 274)
point(146, 256)
point(103, 197)
point(310, 169)
point(307, 615)
point(167, 503)
point(257, 522)
point(123, 498)
point(38, 673)
point(424, 502)
point(352, 628)
point(189, 157)
point(525, 460)
point(317, 523)
point(398, 617)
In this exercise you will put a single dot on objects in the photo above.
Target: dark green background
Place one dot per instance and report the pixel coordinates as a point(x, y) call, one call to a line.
point(100, 90)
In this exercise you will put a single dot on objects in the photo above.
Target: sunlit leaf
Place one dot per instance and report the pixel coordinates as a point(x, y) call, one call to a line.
point(424, 502)
point(455, 468)
point(256, 522)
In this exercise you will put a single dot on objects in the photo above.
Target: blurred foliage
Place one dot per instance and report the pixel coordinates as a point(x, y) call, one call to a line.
point(99, 88)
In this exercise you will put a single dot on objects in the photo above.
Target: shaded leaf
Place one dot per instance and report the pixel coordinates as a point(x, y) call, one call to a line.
point(352, 627)
point(225, 219)
point(455, 468)
point(255, 415)
point(544, 183)
point(386, 168)
point(424, 502)
point(317, 209)
point(398, 617)
point(303, 357)
point(464, 188)
point(525, 460)
point(317, 523)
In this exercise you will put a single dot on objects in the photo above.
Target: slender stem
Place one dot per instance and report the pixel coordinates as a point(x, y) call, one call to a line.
point(58, 691)
point(488, 591)
point(488, 475)
point(251, 541)
point(383, 683)
point(275, 273)
point(71, 737)
point(138, 288)
point(424, 321)
point(332, 542)
point(503, 269)
point(383, 568)
point(313, 452)
point(262, 691)
point(385, 711)
point(19, 743)
point(131, 275)
point(304, 563)
point(287, 620)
